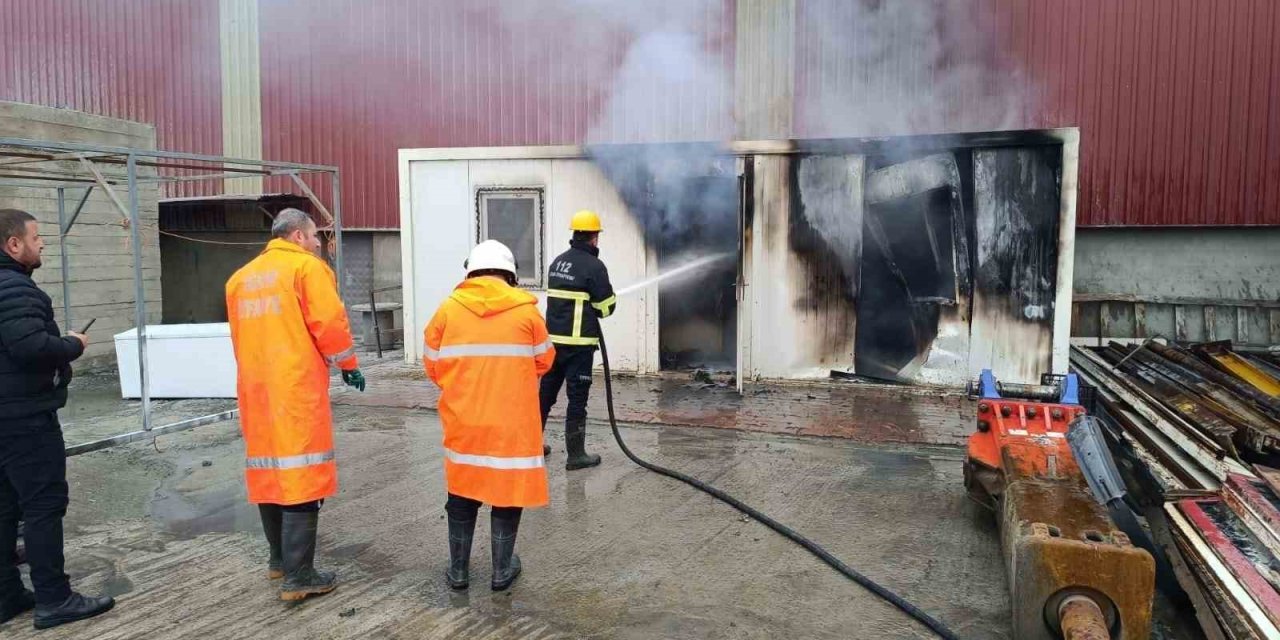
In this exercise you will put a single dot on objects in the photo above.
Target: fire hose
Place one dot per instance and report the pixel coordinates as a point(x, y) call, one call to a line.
point(929, 621)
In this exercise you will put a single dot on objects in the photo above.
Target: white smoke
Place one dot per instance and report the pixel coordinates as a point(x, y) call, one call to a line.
point(881, 67)
point(661, 70)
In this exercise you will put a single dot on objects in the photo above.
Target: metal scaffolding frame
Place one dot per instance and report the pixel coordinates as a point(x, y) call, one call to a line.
point(26, 163)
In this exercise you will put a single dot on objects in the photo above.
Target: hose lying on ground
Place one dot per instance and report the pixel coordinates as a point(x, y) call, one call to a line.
point(910, 609)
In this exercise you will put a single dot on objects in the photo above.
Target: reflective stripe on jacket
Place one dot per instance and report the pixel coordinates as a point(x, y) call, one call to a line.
point(287, 326)
point(485, 348)
point(578, 295)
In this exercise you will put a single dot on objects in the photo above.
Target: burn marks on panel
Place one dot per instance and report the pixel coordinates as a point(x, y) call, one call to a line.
point(1016, 194)
point(686, 200)
point(896, 261)
point(911, 247)
point(825, 234)
point(915, 270)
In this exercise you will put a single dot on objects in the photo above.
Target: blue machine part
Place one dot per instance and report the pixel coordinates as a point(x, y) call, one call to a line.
point(1070, 390)
point(987, 385)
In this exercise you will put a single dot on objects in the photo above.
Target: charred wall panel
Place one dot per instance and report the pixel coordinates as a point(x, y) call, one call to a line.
point(913, 320)
point(1017, 199)
point(799, 291)
point(685, 199)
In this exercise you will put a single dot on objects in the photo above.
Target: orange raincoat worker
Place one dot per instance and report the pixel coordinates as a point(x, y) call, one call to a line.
point(288, 325)
point(485, 348)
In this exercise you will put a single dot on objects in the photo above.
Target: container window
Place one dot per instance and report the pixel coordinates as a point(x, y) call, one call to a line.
point(514, 217)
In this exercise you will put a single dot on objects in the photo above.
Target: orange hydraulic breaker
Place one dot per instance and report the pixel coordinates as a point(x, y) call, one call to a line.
point(1072, 573)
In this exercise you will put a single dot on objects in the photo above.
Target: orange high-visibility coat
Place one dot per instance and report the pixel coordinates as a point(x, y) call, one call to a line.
point(486, 347)
point(287, 326)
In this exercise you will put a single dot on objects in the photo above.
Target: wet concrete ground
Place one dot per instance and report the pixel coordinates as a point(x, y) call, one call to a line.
point(620, 553)
point(95, 410)
point(869, 413)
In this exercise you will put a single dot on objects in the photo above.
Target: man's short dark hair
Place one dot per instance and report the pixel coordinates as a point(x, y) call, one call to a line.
point(506, 276)
point(288, 221)
point(13, 223)
point(585, 236)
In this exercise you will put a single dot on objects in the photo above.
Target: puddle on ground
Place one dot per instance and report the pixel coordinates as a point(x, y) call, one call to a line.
point(198, 499)
point(116, 585)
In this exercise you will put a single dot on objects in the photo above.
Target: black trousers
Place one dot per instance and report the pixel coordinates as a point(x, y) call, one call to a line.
point(463, 509)
point(572, 367)
point(305, 507)
point(33, 485)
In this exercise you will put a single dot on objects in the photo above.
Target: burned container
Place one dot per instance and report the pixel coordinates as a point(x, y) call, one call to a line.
point(921, 259)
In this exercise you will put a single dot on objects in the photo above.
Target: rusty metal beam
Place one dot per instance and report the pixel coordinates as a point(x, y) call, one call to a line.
point(1256, 589)
point(1246, 497)
point(311, 195)
point(1162, 535)
point(1172, 397)
point(106, 185)
point(1218, 401)
point(1219, 589)
point(1186, 359)
point(1199, 447)
point(1241, 368)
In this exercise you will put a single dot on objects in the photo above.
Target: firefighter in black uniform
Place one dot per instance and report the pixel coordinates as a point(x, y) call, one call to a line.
point(578, 295)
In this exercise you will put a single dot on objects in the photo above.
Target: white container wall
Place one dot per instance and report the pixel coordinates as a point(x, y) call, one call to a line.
point(439, 226)
point(183, 361)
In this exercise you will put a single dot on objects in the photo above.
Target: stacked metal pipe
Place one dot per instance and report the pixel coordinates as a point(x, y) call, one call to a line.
point(1198, 431)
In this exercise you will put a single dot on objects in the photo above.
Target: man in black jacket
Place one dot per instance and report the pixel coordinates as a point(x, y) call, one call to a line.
point(35, 367)
point(578, 296)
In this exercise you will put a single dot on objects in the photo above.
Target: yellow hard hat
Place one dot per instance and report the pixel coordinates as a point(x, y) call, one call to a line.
point(585, 220)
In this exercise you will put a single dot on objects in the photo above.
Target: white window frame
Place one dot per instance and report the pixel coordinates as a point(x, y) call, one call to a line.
point(538, 195)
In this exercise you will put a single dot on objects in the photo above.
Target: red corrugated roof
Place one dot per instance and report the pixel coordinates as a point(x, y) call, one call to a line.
point(141, 60)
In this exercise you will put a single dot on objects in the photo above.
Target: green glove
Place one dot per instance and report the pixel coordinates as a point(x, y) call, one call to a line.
point(353, 378)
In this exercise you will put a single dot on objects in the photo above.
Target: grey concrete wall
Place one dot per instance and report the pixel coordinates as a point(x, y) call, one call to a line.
point(98, 248)
point(386, 264)
point(1215, 265)
point(371, 261)
point(1231, 264)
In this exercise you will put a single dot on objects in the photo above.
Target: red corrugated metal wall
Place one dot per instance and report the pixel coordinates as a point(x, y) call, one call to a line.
point(152, 61)
point(349, 83)
point(1178, 101)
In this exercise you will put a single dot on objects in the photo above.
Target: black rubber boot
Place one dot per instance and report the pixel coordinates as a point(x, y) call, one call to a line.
point(73, 609)
point(461, 532)
point(16, 606)
point(506, 564)
point(272, 521)
point(575, 442)
point(301, 579)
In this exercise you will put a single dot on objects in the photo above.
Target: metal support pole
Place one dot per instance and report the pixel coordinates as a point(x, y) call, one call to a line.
point(106, 185)
point(373, 311)
point(75, 215)
point(66, 268)
point(140, 302)
point(337, 233)
point(151, 434)
point(315, 200)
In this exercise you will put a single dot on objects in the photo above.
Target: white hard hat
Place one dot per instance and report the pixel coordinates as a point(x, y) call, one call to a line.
point(490, 254)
